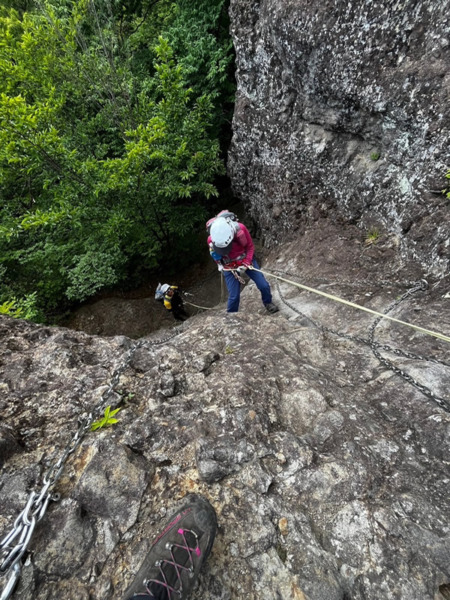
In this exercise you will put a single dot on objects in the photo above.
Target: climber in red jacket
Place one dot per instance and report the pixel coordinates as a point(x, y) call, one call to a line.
point(231, 246)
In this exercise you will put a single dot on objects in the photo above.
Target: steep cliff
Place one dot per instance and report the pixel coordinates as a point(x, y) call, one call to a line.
point(343, 111)
point(327, 468)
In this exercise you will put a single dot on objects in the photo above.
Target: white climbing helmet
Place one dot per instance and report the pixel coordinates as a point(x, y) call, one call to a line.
point(161, 290)
point(222, 234)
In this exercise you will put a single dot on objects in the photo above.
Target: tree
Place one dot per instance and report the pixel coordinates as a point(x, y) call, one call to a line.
point(101, 166)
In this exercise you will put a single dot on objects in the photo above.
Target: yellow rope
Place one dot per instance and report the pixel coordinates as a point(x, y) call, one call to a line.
point(435, 334)
point(197, 306)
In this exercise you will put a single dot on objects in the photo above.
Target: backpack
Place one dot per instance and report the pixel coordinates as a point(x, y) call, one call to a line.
point(226, 214)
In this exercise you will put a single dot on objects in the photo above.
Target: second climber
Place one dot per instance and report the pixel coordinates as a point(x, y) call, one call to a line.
point(173, 302)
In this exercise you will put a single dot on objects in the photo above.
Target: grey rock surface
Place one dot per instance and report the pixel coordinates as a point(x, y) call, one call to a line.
point(343, 110)
point(325, 455)
point(329, 473)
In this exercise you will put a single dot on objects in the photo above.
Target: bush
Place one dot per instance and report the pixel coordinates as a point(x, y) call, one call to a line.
point(109, 141)
point(21, 308)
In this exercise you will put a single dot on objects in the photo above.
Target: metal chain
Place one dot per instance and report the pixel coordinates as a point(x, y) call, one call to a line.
point(390, 365)
point(415, 285)
point(37, 503)
point(406, 354)
point(420, 285)
point(177, 330)
point(375, 346)
point(422, 388)
point(15, 543)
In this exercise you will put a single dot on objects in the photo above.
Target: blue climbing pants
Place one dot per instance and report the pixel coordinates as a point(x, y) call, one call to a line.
point(234, 287)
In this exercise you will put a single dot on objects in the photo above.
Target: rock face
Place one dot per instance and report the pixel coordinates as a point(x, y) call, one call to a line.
point(320, 437)
point(343, 110)
point(328, 470)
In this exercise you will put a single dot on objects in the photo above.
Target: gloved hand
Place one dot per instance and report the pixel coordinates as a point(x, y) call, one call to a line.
point(241, 269)
point(220, 267)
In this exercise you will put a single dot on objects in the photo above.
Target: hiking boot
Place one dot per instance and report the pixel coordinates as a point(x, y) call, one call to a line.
point(171, 568)
point(271, 307)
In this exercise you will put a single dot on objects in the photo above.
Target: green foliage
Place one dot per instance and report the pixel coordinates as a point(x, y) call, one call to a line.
point(20, 308)
point(200, 36)
point(109, 141)
point(107, 420)
point(447, 191)
point(372, 237)
point(93, 271)
point(375, 156)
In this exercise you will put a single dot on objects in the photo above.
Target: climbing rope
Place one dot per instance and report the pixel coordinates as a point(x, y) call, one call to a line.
point(375, 346)
point(197, 306)
point(354, 282)
point(357, 306)
point(14, 545)
point(221, 290)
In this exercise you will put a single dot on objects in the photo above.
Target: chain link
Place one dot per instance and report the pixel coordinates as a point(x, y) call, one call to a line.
point(15, 543)
point(421, 285)
point(375, 346)
point(391, 366)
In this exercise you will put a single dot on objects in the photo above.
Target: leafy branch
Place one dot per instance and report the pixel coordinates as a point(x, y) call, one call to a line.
point(107, 420)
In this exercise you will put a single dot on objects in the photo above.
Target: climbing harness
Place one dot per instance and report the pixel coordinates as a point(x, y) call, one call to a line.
point(14, 545)
point(370, 341)
point(236, 275)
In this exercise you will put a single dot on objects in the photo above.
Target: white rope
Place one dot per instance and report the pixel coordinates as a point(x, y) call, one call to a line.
point(197, 306)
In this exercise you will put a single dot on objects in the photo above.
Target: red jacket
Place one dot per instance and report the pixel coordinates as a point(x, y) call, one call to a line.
point(242, 248)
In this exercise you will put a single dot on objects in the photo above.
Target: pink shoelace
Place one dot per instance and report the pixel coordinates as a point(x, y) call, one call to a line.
point(178, 568)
